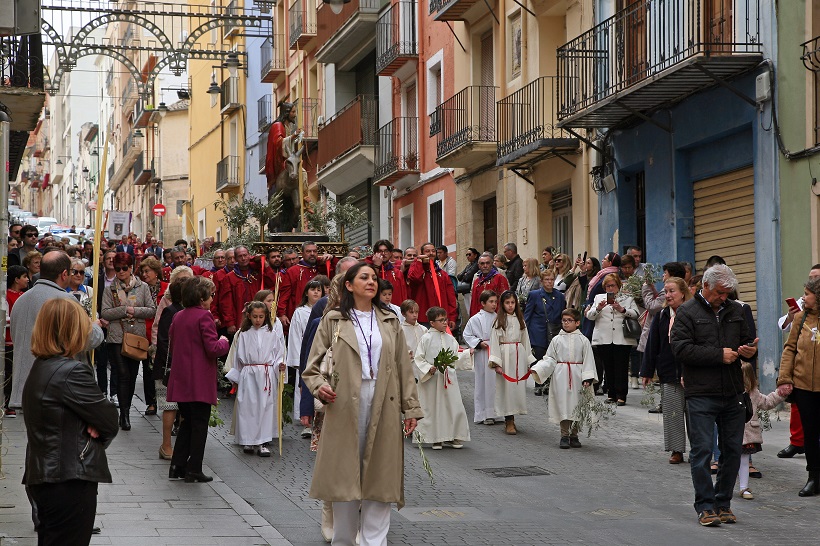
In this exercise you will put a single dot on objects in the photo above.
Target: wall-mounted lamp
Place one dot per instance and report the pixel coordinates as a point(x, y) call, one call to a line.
point(214, 89)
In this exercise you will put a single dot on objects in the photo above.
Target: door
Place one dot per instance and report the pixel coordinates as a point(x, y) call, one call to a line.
point(490, 225)
point(725, 226)
point(719, 37)
point(486, 95)
point(634, 39)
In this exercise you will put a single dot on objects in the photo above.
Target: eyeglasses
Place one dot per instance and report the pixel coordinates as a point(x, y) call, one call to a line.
point(568, 320)
point(77, 272)
point(123, 268)
point(440, 320)
point(31, 234)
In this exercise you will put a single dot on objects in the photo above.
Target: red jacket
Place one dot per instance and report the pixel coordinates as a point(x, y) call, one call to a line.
point(217, 277)
point(234, 292)
point(393, 274)
point(301, 274)
point(423, 290)
point(149, 322)
point(269, 283)
point(494, 281)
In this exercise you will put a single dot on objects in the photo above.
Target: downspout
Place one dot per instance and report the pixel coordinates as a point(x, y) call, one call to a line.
point(500, 78)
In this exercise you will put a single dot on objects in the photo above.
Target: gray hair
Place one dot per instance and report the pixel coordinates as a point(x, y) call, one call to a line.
point(175, 272)
point(487, 255)
point(347, 259)
point(307, 244)
point(512, 247)
point(720, 275)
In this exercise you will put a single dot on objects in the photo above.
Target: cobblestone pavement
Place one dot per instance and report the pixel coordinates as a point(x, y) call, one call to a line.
point(617, 489)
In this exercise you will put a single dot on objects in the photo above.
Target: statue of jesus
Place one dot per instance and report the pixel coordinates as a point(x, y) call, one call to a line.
point(282, 165)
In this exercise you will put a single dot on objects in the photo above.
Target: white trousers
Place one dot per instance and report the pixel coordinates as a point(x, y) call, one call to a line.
point(374, 519)
point(743, 473)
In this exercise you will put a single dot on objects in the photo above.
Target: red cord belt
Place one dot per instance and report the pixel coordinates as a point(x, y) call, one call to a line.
point(507, 377)
point(268, 385)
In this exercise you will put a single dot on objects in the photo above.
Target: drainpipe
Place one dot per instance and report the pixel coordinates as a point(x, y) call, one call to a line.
point(501, 76)
point(5, 125)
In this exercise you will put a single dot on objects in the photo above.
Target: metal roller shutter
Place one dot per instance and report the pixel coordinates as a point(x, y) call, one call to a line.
point(725, 225)
point(360, 198)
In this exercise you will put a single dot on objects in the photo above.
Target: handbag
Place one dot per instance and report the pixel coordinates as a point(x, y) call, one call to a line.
point(746, 400)
point(166, 374)
point(326, 368)
point(464, 288)
point(134, 346)
point(632, 328)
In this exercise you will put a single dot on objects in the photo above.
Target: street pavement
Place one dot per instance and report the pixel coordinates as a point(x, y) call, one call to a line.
point(618, 488)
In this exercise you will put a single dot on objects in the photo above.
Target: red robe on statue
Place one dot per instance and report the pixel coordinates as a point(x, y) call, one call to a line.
point(275, 161)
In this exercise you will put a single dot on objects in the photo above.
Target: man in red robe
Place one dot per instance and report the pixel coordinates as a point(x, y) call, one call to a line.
point(431, 291)
point(308, 267)
point(488, 278)
point(236, 289)
point(382, 260)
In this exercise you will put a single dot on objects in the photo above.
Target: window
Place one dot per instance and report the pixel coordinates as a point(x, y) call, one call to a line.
point(515, 45)
point(406, 226)
point(561, 205)
point(437, 222)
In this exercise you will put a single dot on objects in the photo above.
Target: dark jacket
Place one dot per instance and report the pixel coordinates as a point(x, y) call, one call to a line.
point(698, 339)
point(162, 357)
point(61, 400)
point(306, 403)
point(657, 356)
point(541, 309)
point(468, 272)
point(515, 270)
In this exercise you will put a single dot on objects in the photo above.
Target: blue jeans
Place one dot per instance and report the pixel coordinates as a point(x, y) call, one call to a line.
point(730, 417)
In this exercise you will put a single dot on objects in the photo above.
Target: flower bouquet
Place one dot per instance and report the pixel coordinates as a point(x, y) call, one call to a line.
point(445, 358)
point(589, 411)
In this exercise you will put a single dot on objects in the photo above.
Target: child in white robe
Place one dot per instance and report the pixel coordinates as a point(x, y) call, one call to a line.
point(510, 358)
point(312, 293)
point(570, 362)
point(413, 331)
point(477, 335)
point(445, 419)
point(258, 359)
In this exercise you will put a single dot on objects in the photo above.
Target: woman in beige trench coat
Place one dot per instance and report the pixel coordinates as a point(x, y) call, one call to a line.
point(360, 462)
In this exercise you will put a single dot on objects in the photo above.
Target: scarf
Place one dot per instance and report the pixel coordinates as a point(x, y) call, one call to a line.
point(600, 275)
point(123, 290)
point(484, 279)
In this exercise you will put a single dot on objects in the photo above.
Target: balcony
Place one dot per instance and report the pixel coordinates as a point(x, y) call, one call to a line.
point(229, 29)
point(272, 55)
point(263, 112)
point(397, 153)
point(458, 10)
point(347, 143)
point(142, 115)
point(307, 117)
point(227, 174)
point(263, 152)
point(229, 96)
point(345, 38)
point(396, 38)
point(143, 174)
point(21, 90)
point(302, 19)
point(527, 131)
point(466, 123)
point(654, 53)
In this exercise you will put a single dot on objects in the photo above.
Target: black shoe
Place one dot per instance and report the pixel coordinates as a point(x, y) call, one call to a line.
point(176, 473)
point(656, 409)
point(790, 451)
point(574, 442)
point(564, 442)
point(192, 477)
point(96, 530)
point(538, 391)
point(812, 486)
point(125, 422)
point(151, 410)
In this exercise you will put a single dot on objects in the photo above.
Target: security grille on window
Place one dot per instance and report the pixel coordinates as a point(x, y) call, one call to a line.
point(437, 223)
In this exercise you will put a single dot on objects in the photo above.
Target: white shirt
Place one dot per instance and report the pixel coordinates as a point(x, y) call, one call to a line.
point(369, 337)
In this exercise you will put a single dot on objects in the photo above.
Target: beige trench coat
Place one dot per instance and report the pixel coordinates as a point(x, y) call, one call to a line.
point(336, 475)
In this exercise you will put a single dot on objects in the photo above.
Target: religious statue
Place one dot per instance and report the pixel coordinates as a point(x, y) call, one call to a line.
point(282, 165)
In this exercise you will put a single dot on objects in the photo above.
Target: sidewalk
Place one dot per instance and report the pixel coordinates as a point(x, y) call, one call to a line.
point(142, 506)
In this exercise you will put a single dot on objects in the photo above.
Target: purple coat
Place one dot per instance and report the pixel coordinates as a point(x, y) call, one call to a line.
point(195, 346)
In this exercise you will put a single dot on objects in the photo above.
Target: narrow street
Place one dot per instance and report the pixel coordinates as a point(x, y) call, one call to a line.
point(618, 488)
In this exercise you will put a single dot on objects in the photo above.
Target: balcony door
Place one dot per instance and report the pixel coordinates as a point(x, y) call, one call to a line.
point(634, 40)
point(719, 29)
point(486, 95)
point(490, 225)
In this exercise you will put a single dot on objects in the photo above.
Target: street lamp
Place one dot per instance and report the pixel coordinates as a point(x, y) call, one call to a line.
point(214, 89)
point(232, 63)
point(85, 175)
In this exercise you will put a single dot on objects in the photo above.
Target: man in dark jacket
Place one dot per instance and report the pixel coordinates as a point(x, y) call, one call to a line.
point(708, 338)
point(515, 265)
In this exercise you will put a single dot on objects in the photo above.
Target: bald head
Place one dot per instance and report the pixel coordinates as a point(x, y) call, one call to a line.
point(54, 267)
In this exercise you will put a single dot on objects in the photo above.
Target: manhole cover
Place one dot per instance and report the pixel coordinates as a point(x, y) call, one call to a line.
point(611, 513)
point(515, 471)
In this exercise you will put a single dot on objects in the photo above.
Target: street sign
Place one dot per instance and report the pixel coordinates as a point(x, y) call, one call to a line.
point(158, 209)
point(92, 205)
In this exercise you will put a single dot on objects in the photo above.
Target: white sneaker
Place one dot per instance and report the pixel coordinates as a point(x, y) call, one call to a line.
point(263, 451)
point(437, 445)
point(306, 433)
point(115, 401)
point(457, 444)
point(747, 494)
point(489, 421)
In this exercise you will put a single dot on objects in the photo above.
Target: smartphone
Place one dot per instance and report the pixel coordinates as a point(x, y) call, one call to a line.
point(585, 257)
point(610, 297)
point(792, 303)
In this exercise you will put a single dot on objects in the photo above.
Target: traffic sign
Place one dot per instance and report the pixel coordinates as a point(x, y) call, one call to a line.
point(159, 209)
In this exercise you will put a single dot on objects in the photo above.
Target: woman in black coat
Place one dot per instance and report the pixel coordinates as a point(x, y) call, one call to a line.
point(658, 358)
point(69, 424)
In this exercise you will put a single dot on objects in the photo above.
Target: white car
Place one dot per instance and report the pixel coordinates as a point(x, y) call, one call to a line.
point(43, 223)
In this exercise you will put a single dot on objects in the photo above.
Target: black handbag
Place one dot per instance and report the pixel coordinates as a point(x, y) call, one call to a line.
point(632, 328)
point(746, 400)
point(463, 288)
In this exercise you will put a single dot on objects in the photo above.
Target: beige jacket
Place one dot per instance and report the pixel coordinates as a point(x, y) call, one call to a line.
point(800, 362)
point(337, 476)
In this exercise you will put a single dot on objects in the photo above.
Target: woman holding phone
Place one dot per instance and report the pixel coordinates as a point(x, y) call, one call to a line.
point(610, 346)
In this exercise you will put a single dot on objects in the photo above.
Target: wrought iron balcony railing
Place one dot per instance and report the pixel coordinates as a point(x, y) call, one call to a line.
point(466, 117)
point(307, 112)
point(339, 35)
point(229, 95)
point(231, 9)
point(352, 126)
point(649, 37)
point(272, 57)
point(397, 151)
point(227, 173)
point(396, 41)
point(526, 122)
point(264, 115)
point(302, 17)
point(263, 152)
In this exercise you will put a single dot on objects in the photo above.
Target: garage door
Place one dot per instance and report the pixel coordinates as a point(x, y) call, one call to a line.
point(725, 225)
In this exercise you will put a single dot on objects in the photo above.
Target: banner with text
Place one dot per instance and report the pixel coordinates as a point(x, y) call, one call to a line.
point(119, 224)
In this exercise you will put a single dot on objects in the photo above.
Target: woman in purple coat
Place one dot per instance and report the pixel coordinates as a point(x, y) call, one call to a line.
point(194, 346)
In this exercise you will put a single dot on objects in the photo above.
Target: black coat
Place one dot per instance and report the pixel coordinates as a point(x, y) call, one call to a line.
point(61, 400)
point(698, 339)
point(657, 356)
point(515, 270)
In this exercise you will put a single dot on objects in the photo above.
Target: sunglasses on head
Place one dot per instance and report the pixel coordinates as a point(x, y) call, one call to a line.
point(118, 269)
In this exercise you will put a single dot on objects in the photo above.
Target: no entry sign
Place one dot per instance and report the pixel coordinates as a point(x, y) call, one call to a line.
point(159, 209)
